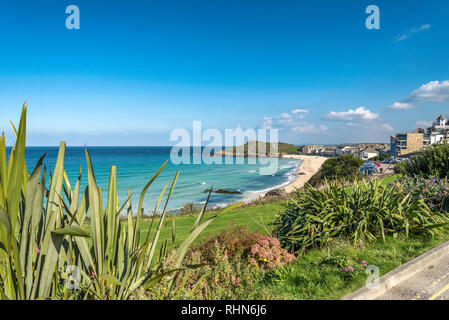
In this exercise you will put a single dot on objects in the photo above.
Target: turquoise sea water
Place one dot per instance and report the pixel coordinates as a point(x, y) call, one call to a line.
point(136, 166)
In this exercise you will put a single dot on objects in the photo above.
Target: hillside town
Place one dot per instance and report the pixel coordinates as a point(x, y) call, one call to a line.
point(402, 144)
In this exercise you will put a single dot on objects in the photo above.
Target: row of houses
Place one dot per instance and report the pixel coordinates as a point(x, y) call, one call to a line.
point(363, 151)
point(405, 143)
point(401, 144)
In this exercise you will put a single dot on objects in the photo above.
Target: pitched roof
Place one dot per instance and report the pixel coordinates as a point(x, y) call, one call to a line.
point(370, 150)
point(441, 117)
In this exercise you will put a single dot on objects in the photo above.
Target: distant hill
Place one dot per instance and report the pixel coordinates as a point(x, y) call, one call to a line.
point(282, 148)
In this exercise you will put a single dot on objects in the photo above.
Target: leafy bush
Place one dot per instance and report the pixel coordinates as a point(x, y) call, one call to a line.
point(42, 241)
point(345, 167)
point(267, 253)
point(362, 212)
point(429, 162)
point(233, 263)
point(401, 168)
point(380, 157)
point(236, 240)
point(222, 276)
point(434, 192)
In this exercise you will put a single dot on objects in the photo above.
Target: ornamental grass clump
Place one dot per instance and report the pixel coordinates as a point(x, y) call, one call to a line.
point(44, 253)
point(362, 212)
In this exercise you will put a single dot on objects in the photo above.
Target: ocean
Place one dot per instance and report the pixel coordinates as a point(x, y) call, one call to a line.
point(136, 166)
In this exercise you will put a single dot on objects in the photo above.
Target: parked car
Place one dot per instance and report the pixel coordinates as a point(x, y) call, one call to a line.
point(368, 168)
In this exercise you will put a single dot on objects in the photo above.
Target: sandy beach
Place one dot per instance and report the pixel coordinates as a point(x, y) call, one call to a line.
point(309, 166)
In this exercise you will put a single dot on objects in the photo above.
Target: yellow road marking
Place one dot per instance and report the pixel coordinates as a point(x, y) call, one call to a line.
point(436, 295)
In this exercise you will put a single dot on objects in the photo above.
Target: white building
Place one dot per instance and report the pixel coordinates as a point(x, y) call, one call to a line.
point(346, 150)
point(368, 153)
point(438, 132)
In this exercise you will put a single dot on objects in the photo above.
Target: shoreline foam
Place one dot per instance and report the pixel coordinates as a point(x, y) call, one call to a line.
point(309, 165)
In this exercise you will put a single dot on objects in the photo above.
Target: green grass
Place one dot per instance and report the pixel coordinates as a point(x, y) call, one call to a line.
point(256, 218)
point(306, 279)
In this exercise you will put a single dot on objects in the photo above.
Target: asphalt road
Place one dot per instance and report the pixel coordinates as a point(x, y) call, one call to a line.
point(432, 283)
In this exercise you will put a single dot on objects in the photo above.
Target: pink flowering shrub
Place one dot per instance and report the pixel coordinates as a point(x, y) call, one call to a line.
point(267, 253)
point(221, 276)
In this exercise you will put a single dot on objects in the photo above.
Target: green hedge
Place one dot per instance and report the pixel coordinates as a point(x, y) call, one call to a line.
point(431, 162)
point(345, 167)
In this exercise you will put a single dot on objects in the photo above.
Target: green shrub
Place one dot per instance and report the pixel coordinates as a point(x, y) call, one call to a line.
point(345, 167)
point(434, 192)
point(362, 212)
point(222, 277)
point(233, 263)
point(380, 158)
point(401, 168)
point(433, 161)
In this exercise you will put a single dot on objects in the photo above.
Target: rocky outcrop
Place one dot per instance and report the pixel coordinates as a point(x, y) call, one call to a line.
point(224, 191)
point(275, 193)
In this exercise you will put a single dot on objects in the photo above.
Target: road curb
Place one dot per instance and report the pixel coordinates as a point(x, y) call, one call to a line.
point(401, 273)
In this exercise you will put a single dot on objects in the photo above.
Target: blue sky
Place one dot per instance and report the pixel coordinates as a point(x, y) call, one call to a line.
point(136, 70)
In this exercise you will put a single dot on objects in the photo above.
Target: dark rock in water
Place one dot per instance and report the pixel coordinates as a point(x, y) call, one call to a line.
point(275, 193)
point(224, 191)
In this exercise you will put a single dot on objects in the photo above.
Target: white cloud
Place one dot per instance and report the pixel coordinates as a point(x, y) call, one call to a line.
point(401, 106)
point(309, 128)
point(285, 115)
point(285, 119)
point(300, 111)
point(267, 123)
point(433, 91)
point(412, 32)
point(292, 121)
point(360, 122)
point(423, 123)
point(361, 113)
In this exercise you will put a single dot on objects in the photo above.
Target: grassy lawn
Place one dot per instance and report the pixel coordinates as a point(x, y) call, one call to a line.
point(307, 279)
point(256, 218)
